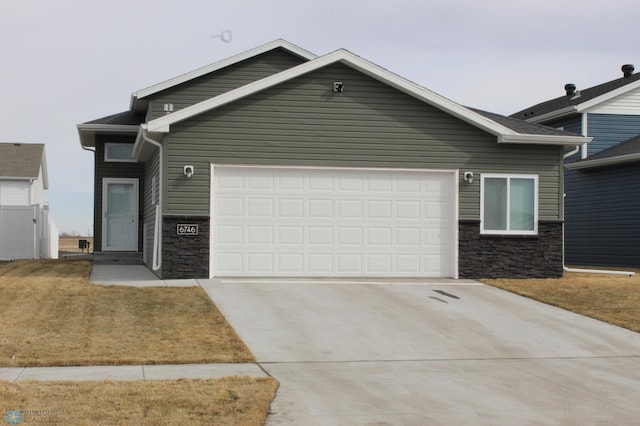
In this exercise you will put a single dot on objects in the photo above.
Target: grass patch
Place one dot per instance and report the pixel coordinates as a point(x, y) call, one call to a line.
point(53, 316)
point(228, 401)
point(607, 297)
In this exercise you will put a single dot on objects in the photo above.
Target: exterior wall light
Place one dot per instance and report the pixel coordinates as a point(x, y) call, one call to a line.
point(468, 177)
point(188, 171)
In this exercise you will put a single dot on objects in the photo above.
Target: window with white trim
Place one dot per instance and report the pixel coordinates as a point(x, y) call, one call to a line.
point(118, 152)
point(509, 204)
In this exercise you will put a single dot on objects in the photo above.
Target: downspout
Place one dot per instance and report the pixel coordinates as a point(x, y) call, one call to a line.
point(157, 255)
point(584, 155)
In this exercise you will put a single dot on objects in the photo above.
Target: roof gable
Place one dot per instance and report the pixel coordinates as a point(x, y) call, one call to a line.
point(276, 44)
point(580, 101)
point(504, 129)
point(23, 161)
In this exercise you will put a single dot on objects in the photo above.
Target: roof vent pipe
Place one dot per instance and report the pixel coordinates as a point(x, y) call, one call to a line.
point(627, 70)
point(570, 89)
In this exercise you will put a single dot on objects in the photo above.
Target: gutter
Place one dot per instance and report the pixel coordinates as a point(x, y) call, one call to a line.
point(157, 235)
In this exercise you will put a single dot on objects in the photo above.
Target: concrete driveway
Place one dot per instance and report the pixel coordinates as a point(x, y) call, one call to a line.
point(441, 353)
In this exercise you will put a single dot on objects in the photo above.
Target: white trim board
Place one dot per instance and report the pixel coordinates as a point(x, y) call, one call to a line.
point(507, 135)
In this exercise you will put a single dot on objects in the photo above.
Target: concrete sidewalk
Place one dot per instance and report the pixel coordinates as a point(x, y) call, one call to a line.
point(133, 276)
point(131, 372)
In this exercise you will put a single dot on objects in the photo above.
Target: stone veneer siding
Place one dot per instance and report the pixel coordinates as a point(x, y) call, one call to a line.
point(491, 256)
point(185, 256)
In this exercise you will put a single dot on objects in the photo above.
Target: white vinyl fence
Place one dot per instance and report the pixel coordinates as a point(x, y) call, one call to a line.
point(27, 232)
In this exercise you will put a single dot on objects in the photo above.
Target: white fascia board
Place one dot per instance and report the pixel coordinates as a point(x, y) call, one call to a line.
point(608, 96)
point(29, 178)
point(584, 107)
point(544, 139)
point(554, 114)
point(280, 43)
point(163, 124)
point(87, 132)
point(620, 159)
point(44, 169)
point(115, 128)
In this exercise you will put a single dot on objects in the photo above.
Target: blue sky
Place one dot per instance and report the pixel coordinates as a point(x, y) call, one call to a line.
point(66, 62)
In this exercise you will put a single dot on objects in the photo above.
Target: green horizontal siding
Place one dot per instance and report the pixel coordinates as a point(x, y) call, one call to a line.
point(303, 122)
point(221, 81)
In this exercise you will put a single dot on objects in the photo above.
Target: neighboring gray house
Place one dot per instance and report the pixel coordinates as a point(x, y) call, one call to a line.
point(277, 162)
point(602, 204)
point(26, 231)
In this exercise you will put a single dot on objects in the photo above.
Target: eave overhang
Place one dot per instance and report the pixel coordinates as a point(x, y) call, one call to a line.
point(544, 139)
point(88, 132)
point(587, 105)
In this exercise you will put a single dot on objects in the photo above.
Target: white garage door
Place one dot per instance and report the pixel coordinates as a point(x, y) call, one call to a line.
point(332, 222)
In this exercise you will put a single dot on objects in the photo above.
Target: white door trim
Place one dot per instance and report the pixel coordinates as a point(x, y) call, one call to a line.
point(452, 173)
point(133, 243)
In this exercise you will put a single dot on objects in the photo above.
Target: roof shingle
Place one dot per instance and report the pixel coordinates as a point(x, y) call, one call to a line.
point(21, 160)
point(581, 96)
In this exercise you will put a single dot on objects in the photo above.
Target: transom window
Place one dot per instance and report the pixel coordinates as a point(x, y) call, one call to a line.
point(118, 152)
point(509, 204)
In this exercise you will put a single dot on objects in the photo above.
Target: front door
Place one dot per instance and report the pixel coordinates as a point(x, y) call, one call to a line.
point(120, 214)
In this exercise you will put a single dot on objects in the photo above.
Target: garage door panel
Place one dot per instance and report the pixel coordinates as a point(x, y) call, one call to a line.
point(380, 264)
point(320, 263)
point(259, 263)
point(260, 207)
point(229, 206)
point(229, 234)
point(349, 263)
point(320, 209)
point(349, 209)
point(229, 263)
point(310, 222)
point(320, 235)
point(379, 210)
point(350, 236)
point(292, 208)
point(291, 235)
point(350, 184)
point(260, 235)
point(408, 264)
point(380, 236)
point(408, 236)
point(319, 182)
point(260, 182)
point(407, 209)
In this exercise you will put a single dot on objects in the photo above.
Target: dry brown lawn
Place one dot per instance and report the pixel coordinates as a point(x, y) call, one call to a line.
point(227, 401)
point(52, 316)
point(607, 297)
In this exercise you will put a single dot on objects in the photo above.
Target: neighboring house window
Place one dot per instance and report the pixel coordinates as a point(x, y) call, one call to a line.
point(509, 204)
point(154, 190)
point(118, 152)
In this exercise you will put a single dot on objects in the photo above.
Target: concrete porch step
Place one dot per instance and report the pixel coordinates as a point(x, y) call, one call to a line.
point(117, 258)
